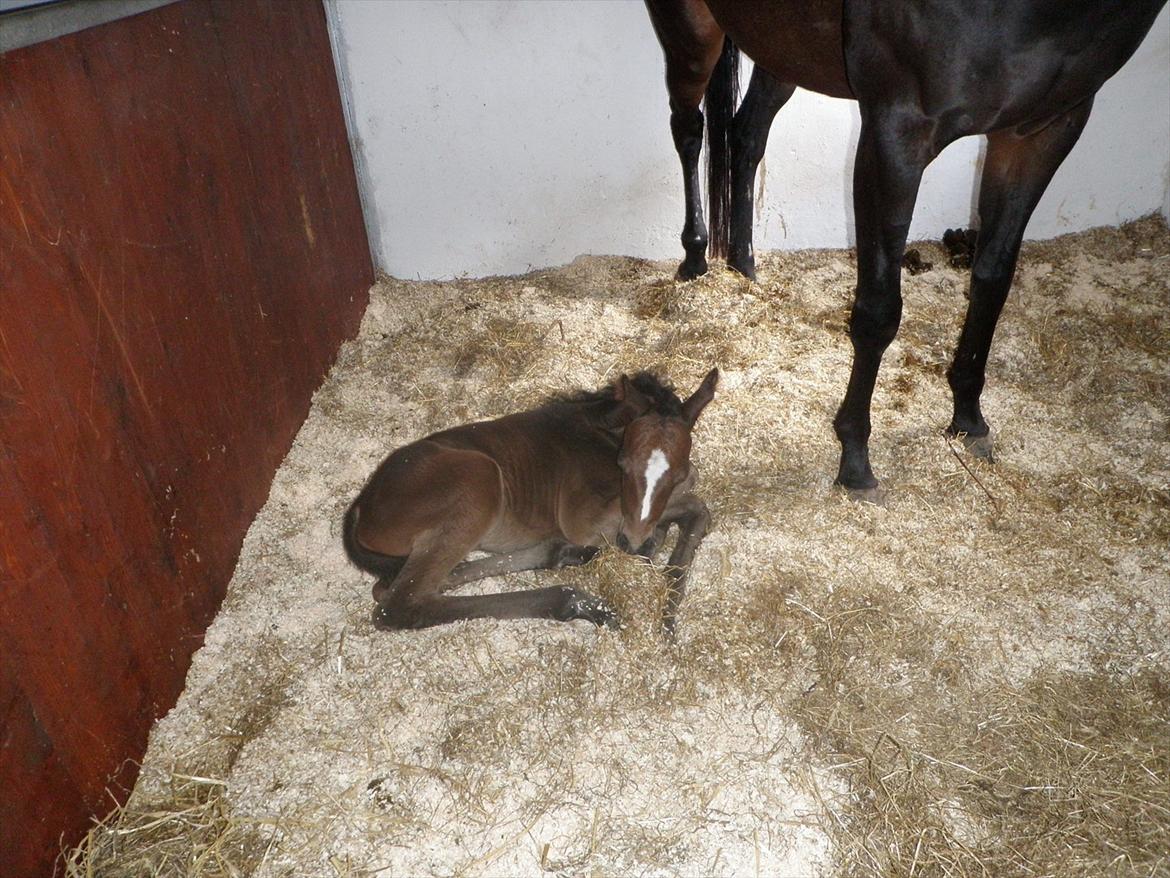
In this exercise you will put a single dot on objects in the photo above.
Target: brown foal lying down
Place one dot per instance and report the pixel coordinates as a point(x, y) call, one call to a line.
point(539, 489)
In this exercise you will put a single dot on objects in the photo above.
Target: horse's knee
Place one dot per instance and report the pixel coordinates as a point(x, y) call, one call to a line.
point(874, 321)
point(700, 519)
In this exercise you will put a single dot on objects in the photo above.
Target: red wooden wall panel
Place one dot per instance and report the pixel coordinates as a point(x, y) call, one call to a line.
point(181, 253)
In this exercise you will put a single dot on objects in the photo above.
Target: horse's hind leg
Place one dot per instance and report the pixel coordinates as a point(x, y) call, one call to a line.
point(559, 603)
point(416, 599)
point(749, 136)
point(691, 43)
point(892, 152)
point(1016, 172)
point(543, 556)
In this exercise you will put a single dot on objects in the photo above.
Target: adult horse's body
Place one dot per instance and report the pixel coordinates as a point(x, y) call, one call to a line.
point(536, 489)
point(924, 74)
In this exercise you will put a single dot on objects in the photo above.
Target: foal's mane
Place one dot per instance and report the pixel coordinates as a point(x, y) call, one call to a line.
point(663, 398)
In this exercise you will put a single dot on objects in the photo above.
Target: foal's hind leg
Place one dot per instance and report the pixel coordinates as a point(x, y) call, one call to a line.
point(749, 136)
point(543, 556)
point(415, 599)
point(892, 152)
point(1015, 174)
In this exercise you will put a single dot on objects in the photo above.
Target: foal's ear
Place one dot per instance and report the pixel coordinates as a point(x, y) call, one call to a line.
point(632, 403)
point(698, 400)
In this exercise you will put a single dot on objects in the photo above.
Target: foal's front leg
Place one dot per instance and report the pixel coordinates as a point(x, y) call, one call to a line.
point(693, 518)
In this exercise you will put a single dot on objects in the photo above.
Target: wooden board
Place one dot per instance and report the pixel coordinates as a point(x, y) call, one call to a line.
point(181, 254)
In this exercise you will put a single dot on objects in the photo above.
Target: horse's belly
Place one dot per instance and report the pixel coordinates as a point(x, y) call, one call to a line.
point(511, 536)
point(594, 525)
point(800, 43)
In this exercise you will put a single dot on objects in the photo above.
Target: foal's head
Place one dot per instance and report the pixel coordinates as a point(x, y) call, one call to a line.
point(655, 457)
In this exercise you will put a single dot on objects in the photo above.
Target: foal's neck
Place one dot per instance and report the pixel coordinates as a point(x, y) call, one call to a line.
point(586, 421)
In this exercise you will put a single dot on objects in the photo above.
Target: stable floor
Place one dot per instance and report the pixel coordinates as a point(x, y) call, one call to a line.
point(973, 679)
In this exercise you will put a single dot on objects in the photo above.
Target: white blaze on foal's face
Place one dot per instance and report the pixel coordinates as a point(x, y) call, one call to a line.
point(653, 459)
point(656, 467)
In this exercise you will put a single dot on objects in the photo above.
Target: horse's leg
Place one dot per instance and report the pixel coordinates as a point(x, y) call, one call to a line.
point(441, 507)
point(693, 518)
point(415, 599)
point(543, 556)
point(650, 548)
point(1015, 174)
point(893, 149)
point(749, 136)
point(559, 603)
point(691, 43)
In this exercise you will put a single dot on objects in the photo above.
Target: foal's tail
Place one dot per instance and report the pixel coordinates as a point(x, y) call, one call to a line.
point(719, 106)
point(372, 562)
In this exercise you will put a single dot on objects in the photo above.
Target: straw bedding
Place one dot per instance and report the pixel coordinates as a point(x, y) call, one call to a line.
point(971, 680)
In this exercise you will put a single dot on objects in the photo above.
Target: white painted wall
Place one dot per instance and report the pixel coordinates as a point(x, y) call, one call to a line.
point(492, 136)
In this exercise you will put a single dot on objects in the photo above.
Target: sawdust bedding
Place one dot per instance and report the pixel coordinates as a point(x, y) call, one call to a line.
point(971, 680)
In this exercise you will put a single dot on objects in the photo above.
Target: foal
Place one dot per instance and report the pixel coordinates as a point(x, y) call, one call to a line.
point(538, 489)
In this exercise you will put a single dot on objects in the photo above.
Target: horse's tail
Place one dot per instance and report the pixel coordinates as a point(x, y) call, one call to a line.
point(719, 106)
point(372, 562)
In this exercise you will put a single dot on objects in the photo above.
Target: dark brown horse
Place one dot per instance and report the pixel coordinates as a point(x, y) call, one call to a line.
point(539, 489)
point(924, 74)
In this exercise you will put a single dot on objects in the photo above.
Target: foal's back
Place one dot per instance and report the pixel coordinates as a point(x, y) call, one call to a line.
point(516, 473)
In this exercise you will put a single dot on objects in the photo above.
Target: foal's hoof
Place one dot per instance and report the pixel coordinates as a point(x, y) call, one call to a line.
point(575, 556)
point(583, 605)
point(384, 620)
point(875, 495)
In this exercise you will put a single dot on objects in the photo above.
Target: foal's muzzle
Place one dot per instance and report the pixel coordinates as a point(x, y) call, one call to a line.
point(623, 543)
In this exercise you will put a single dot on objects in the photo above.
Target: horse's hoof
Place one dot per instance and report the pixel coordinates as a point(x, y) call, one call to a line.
point(980, 446)
point(583, 605)
point(688, 270)
point(746, 267)
point(575, 556)
point(385, 621)
point(875, 495)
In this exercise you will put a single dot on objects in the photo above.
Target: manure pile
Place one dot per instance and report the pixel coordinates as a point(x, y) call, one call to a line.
point(972, 680)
